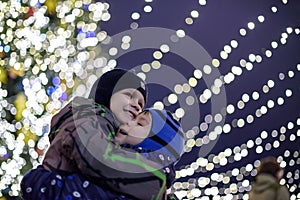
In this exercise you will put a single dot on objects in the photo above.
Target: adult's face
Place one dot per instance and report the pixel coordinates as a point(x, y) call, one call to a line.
point(126, 104)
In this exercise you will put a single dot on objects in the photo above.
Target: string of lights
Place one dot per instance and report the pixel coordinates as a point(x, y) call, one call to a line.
point(240, 152)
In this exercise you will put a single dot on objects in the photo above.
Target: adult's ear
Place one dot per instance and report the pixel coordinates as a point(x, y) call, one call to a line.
point(279, 174)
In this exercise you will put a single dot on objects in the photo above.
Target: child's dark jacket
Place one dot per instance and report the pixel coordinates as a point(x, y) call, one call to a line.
point(81, 141)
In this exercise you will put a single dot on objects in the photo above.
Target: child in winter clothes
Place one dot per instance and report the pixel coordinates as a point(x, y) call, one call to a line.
point(78, 165)
point(153, 132)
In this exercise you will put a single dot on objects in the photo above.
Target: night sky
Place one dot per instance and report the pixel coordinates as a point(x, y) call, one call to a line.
point(260, 78)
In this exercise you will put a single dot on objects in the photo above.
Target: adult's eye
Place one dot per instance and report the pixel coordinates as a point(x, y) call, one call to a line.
point(127, 94)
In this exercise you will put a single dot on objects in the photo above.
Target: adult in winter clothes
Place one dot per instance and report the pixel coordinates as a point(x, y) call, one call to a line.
point(266, 185)
point(78, 160)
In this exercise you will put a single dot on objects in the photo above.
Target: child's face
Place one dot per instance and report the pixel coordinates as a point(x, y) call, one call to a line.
point(126, 104)
point(135, 131)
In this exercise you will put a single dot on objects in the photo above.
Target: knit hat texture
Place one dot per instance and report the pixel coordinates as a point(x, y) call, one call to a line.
point(114, 81)
point(166, 136)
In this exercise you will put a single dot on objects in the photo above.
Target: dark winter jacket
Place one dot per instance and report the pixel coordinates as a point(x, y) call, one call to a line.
point(267, 187)
point(42, 184)
point(81, 141)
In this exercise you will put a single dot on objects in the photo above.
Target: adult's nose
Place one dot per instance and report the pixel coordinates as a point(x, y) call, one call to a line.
point(135, 104)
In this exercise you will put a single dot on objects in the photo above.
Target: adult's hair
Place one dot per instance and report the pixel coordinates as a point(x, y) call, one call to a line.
point(269, 165)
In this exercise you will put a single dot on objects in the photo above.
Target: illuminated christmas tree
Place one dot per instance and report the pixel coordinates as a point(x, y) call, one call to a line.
point(47, 48)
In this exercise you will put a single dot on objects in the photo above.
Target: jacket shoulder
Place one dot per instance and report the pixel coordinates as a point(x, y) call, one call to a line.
point(79, 110)
point(283, 193)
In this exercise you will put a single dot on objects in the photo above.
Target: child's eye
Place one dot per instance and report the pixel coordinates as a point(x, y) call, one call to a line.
point(141, 105)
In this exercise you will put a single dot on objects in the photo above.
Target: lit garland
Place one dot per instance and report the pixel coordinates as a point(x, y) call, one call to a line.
point(51, 46)
point(192, 189)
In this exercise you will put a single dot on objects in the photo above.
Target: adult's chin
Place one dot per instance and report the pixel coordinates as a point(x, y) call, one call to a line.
point(118, 140)
point(125, 118)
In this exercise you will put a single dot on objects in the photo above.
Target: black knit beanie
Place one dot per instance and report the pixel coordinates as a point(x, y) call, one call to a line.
point(114, 81)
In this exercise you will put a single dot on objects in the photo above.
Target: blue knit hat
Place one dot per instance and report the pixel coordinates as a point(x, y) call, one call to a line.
point(114, 81)
point(166, 136)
